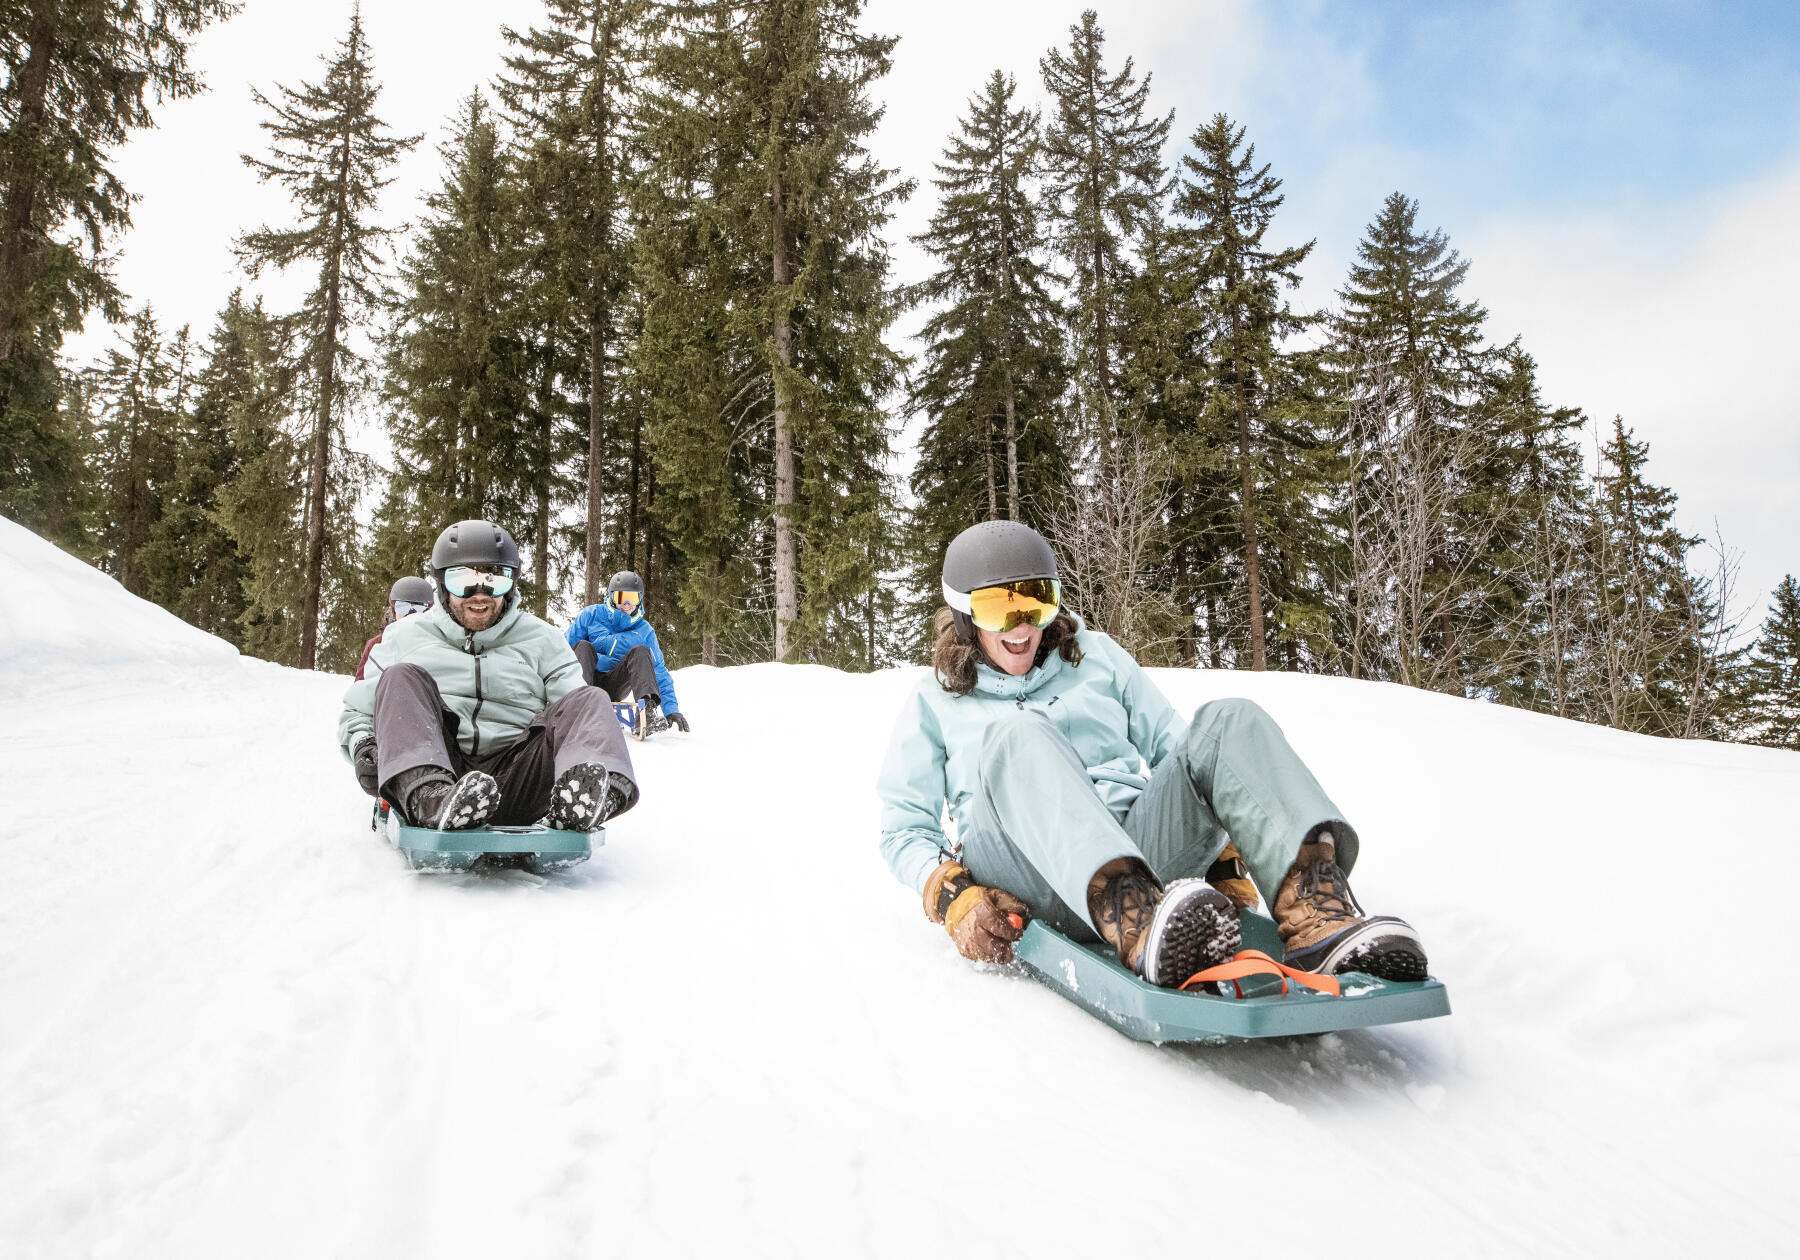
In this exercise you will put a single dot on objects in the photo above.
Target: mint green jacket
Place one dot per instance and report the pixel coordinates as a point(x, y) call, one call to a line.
point(1120, 724)
point(495, 680)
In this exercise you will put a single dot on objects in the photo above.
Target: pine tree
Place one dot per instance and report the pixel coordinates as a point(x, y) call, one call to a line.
point(788, 81)
point(78, 79)
point(1105, 179)
point(330, 151)
point(994, 373)
point(457, 378)
point(1229, 203)
point(571, 92)
point(1771, 674)
point(1411, 370)
point(138, 384)
point(1532, 487)
point(1655, 652)
point(248, 384)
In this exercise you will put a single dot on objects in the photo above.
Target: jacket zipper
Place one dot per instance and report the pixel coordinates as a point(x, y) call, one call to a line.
point(474, 717)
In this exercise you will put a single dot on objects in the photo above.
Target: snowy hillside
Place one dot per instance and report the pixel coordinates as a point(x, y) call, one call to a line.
point(232, 1024)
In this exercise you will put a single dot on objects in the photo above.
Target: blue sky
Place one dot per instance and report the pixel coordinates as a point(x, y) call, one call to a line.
point(1623, 177)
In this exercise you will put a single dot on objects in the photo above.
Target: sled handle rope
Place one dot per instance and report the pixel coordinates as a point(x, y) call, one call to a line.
point(1253, 962)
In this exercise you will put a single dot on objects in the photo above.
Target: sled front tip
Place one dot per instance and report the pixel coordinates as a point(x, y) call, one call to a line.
point(1092, 978)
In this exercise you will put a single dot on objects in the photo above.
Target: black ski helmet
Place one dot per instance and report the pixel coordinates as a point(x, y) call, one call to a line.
point(987, 555)
point(626, 580)
point(414, 590)
point(474, 542)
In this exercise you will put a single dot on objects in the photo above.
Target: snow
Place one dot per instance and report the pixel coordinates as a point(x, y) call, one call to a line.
point(231, 1022)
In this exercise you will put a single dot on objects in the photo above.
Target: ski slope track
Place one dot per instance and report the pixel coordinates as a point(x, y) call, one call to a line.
point(232, 1023)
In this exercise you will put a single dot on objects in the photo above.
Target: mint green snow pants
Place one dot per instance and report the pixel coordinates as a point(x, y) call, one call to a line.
point(1037, 828)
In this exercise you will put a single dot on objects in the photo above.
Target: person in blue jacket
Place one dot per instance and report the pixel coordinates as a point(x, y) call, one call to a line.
point(618, 651)
point(1079, 796)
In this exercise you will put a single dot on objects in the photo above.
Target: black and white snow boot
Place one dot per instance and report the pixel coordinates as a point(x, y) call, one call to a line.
point(1163, 934)
point(584, 797)
point(443, 805)
point(1195, 927)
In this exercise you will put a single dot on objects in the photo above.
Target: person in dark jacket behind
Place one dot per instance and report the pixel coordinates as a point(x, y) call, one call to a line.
point(618, 651)
point(474, 710)
point(407, 596)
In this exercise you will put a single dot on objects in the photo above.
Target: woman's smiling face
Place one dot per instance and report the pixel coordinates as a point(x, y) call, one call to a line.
point(1014, 651)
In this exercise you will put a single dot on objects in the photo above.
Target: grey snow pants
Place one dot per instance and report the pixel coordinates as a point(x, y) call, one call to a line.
point(633, 674)
point(1038, 830)
point(413, 728)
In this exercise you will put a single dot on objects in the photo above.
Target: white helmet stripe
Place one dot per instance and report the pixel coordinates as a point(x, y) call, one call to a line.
point(956, 599)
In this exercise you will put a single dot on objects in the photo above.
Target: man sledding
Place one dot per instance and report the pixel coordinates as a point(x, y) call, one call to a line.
point(1032, 730)
point(618, 651)
point(473, 711)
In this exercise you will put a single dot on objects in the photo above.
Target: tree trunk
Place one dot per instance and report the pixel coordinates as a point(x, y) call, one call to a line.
point(21, 194)
point(601, 44)
point(787, 586)
point(709, 640)
point(1247, 506)
point(547, 436)
point(321, 445)
point(987, 449)
point(631, 511)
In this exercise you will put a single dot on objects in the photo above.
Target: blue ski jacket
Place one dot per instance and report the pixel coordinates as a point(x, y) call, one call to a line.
point(1118, 720)
point(614, 633)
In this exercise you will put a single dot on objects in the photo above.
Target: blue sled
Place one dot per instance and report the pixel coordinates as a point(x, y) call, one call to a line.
point(1092, 978)
point(539, 849)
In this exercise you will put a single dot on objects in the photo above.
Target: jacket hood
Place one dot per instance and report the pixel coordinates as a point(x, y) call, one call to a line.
point(615, 620)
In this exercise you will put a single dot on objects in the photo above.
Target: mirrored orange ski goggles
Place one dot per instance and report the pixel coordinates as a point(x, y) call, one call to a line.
point(626, 601)
point(1000, 608)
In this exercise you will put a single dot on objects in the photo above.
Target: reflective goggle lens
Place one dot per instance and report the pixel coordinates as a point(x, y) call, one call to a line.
point(626, 601)
point(406, 608)
point(1000, 608)
point(465, 579)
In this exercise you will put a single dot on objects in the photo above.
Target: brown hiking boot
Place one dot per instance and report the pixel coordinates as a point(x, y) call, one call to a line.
point(1163, 934)
point(1230, 876)
point(1323, 928)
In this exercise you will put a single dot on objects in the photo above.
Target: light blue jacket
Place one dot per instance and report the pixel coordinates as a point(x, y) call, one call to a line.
point(614, 633)
point(1120, 724)
point(495, 680)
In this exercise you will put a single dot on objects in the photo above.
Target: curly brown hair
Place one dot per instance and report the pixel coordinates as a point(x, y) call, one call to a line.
point(954, 661)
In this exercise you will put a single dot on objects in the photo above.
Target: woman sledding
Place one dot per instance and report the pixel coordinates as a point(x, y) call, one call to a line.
point(1081, 798)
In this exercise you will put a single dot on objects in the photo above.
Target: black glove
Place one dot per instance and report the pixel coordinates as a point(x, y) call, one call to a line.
point(675, 719)
point(364, 761)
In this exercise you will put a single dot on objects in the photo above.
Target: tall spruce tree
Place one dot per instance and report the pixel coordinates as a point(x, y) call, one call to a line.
point(75, 80)
point(1655, 649)
point(330, 151)
point(1105, 180)
point(1412, 369)
point(457, 380)
point(571, 90)
point(247, 387)
point(789, 79)
point(1770, 676)
point(994, 372)
point(140, 386)
point(1228, 202)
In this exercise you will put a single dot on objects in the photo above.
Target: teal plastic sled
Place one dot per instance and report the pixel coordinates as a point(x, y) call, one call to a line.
point(537, 848)
point(1093, 979)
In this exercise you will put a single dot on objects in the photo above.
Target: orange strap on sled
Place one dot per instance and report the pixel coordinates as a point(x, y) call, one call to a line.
point(1253, 962)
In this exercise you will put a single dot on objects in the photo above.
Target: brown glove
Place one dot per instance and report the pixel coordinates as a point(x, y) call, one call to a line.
point(984, 922)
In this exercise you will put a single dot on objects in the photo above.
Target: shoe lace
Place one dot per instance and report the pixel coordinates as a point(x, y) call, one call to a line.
point(1129, 891)
point(1325, 885)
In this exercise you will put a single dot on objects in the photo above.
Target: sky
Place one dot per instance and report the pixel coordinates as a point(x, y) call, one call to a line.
point(1622, 177)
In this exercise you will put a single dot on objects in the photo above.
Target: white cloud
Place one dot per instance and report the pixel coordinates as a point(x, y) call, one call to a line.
point(1686, 331)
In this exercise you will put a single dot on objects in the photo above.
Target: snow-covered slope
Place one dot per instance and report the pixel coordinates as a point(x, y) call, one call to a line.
point(232, 1024)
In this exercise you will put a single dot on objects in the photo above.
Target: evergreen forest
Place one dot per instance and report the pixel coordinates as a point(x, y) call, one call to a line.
point(648, 319)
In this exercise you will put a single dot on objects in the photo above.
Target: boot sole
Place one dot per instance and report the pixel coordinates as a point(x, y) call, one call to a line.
point(475, 799)
point(578, 801)
point(1195, 927)
point(1384, 947)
